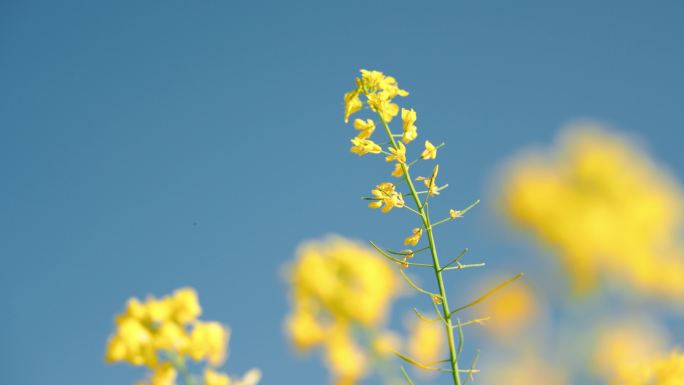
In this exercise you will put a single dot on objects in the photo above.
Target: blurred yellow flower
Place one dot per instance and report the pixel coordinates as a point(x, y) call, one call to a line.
point(633, 342)
point(509, 310)
point(527, 368)
point(386, 344)
point(344, 358)
point(215, 378)
point(339, 286)
point(162, 333)
point(209, 340)
point(667, 370)
point(426, 342)
point(606, 207)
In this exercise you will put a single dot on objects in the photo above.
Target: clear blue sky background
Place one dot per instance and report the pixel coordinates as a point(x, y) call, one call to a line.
point(148, 145)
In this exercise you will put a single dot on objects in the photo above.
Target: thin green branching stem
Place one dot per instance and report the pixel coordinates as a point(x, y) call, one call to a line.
point(413, 210)
point(397, 260)
point(407, 252)
point(487, 294)
point(453, 357)
point(458, 258)
point(416, 287)
point(461, 266)
point(406, 376)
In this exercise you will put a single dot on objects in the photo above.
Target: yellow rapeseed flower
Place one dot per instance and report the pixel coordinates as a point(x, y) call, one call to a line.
point(430, 151)
point(352, 103)
point(430, 182)
point(408, 118)
point(383, 106)
point(414, 238)
point(398, 154)
point(387, 197)
point(398, 171)
point(364, 146)
point(366, 128)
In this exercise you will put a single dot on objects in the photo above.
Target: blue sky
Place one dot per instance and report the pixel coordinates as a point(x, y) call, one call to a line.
point(151, 145)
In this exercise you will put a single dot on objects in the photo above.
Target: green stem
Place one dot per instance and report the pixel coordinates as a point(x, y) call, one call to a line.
point(422, 210)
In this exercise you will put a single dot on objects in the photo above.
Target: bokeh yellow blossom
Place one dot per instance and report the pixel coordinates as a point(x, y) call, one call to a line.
point(527, 368)
point(627, 343)
point(339, 286)
point(162, 333)
point(668, 370)
point(611, 213)
point(509, 311)
point(345, 359)
point(426, 342)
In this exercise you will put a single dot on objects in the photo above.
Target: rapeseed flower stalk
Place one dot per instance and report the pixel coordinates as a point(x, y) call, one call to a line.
point(165, 334)
point(609, 211)
point(341, 295)
point(380, 92)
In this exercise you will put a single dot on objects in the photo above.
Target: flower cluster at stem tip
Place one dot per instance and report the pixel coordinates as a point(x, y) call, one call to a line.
point(163, 334)
point(380, 93)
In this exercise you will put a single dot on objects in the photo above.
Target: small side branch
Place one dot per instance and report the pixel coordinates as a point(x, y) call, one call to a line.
point(486, 295)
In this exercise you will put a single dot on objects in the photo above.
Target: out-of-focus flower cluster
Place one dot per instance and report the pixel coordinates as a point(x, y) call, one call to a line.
point(162, 333)
point(614, 218)
point(339, 285)
point(667, 370)
point(608, 210)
